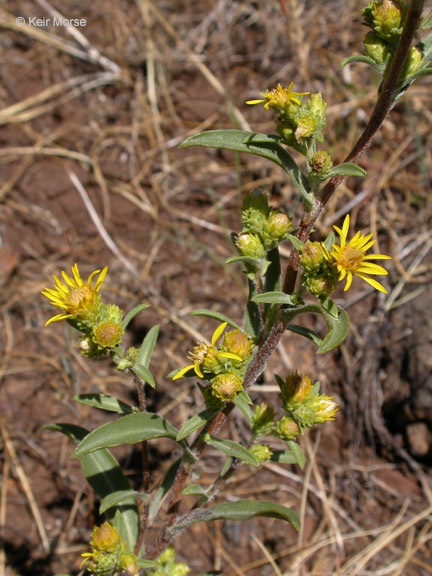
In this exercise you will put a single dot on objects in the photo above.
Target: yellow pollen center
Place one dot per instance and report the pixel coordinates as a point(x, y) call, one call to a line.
point(350, 258)
point(76, 295)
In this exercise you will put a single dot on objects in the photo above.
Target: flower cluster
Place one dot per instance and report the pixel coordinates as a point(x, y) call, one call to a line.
point(223, 366)
point(167, 566)
point(101, 324)
point(263, 228)
point(386, 19)
point(298, 123)
point(323, 268)
point(109, 553)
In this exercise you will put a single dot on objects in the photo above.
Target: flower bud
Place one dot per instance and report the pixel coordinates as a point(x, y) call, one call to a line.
point(225, 386)
point(105, 538)
point(376, 48)
point(261, 453)
point(262, 419)
point(250, 245)
point(285, 129)
point(286, 428)
point(321, 285)
point(413, 61)
point(295, 388)
point(321, 163)
point(325, 409)
point(317, 106)
point(386, 17)
point(277, 227)
point(237, 343)
point(107, 334)
point(306, 127)
point(128, 563)
point(312, 257)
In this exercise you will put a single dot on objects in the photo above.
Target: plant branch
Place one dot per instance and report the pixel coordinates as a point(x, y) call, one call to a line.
point(143, 514)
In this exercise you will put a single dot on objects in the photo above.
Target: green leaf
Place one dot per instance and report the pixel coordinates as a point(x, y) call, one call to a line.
point(147, 347)
point(118, 497)
point(105, 402)
point(297, 244)
point(427, 22)
point(242, 401)
point(144, 374)
point(194, 490)
point(252, 320)
point(329, 240)
point(297, 453)
point(232, 449)
point(306, 332)
point(254, 263)
point(130, 429)
point(346, 169)
point(364, 60)
point(273, 298)
point(328, 305)
point(264, 145)
point(163, 488)
point(283, 457)
point(103, 473)
point(132, 313)
point(196, 422)
point(338, 329)
point(215, 315)
point(239, 511)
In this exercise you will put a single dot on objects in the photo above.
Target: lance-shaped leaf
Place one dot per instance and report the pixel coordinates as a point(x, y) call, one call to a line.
point(130, 429)
point(143, 373)
point(232, 449)
point(119, 497)
point(105, 402)
point(273, 298)
point(147, 347)
point(239, 511)
point(103, 473)
point(243, 402)
point(264, 145)
point(346, 169)
point(297, 452)
point(364, 60)
point(132, 313)
point(196, 422)
point(215, 316)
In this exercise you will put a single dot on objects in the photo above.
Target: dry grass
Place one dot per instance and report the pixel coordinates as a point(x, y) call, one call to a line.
point(90, 120)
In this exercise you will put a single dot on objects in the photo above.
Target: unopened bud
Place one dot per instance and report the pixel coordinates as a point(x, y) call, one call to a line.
point(376, 48)
point(386, 17)
point(306, 127)
point(250, 245)
point(262, 419)
point(261, 453)
point(278, 226)
point(295, 388)
point(107, 334)
point(128, 563)
point(237, 343)
point(413, 61)
point(225, 386)
point(312, 256)
point(105, 538)
point(287, 429)
point(321, 163)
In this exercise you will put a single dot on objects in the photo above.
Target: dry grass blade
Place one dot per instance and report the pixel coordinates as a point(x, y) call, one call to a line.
point(25, 484)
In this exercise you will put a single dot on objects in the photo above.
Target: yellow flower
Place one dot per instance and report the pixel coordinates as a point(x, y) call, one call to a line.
point(279, 98)
point(350, 258)
point(73, 296)
point(206, 355)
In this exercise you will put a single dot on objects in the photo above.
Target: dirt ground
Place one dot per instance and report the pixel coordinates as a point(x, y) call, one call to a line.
point(90, 172)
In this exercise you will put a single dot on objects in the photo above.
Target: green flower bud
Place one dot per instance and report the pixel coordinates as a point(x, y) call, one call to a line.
point(262, 420)
point(255, 212)
point(413, 61)
point(306, 127)
point(286, 132)
point(387, 18)
point(277, 229)
point(286, 428)
point(167, 566)
point(262, 453)
point(250, 245)
point(324, 408)
point(225, 386)
point(312, 257)
point(107, 334)
point(317, 107)
point(321, 163)
point(295, 388)
point(321, 285)
point(376, 48)
point(128, 563)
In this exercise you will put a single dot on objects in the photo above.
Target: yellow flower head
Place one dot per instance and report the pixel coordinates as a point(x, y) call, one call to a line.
point(73, 296)
point(351, 260)
point(205, 355)
point(279, 98)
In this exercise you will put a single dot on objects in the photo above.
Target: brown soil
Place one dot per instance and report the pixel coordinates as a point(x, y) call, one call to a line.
point(106, 120)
